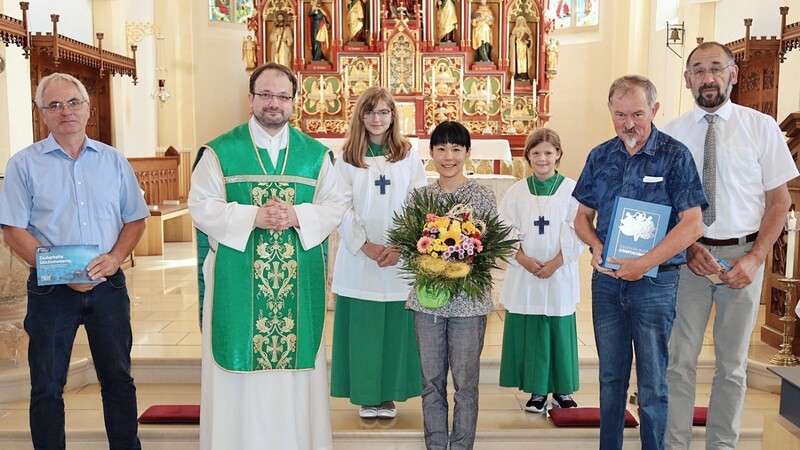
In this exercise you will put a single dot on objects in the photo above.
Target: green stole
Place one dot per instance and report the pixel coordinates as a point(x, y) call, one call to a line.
point(544, 188)
point(269, 300)
point(374, 149)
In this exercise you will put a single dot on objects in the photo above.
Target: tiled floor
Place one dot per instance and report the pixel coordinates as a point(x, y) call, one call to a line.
point(165, 326)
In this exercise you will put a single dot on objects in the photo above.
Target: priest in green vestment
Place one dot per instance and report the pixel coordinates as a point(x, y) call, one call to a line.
point(264, 200)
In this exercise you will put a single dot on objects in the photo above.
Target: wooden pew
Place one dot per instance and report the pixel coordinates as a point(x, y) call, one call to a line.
point(169, 219)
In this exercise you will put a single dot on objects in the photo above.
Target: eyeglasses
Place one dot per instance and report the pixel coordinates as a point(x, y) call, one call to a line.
point(73, 105)
point(268, 96)
point(715, 71)
point(383, 114)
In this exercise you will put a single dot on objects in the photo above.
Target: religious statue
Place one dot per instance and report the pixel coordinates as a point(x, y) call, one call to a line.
point(249, 53)
point(482, 23)
point(552, 53)
point(319, 31)
point(401, 9)
point(282, 40)
point(521, 41)
point(447, 18)
point(355, 20)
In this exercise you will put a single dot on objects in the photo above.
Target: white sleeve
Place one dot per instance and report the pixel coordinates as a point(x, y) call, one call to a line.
point(571, 246)
point(227, 223)
point(352, 232)
point(320, 217)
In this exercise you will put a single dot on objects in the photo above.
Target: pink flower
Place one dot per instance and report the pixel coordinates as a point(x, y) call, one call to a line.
point(478, 245)
point(423, 243)
point(430, 217)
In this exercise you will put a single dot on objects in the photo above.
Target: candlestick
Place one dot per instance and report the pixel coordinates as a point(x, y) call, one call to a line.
point(785, 357)
point(791, 242)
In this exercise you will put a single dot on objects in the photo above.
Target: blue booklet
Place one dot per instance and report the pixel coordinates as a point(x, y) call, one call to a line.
point(636, 228)
point(65, 264)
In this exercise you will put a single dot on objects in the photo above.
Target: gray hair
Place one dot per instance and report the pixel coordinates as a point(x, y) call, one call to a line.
point(58, 77)
point(629, 82)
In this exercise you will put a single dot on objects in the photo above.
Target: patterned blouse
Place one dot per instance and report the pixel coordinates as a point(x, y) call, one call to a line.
point(483, 203)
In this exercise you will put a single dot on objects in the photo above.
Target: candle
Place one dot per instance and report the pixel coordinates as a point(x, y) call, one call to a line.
point(488, 92)
point(321, 88)
point(370, 75)
point(346, 83)
point(791, 243)
point(512, 90)
point(433, 80)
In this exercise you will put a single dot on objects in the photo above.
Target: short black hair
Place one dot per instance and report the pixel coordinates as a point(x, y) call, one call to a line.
point(450, 132)
point(273, 66)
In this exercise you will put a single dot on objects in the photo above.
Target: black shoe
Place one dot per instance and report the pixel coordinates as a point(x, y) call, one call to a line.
point(563, 401)
point(537, 403)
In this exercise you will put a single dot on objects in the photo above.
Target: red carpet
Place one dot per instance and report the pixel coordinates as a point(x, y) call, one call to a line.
point(584, 417)
point(187, 414)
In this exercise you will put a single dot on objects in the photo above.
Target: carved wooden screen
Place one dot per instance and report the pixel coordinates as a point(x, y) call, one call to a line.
point(99, 126)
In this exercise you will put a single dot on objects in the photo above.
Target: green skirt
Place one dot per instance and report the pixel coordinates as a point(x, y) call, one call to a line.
point(540, 354)
point(375, 357)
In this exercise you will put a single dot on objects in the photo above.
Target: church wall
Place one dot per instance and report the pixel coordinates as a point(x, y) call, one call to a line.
point(589, 61)
point(220, 82)
point(134, 110)
point(176, 117)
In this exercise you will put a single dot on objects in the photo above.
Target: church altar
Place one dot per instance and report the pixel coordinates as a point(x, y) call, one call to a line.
point(485, 63)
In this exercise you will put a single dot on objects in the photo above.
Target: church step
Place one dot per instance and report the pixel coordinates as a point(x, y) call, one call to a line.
point(502, 424)
point(15, 383)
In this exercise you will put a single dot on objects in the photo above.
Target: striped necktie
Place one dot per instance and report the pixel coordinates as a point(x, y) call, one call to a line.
point(710, 170)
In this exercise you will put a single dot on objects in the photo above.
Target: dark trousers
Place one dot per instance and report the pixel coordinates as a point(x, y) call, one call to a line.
point(54, 314)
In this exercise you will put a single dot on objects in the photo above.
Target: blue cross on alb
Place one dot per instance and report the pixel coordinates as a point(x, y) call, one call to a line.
point(382, 182)
point(541, 223)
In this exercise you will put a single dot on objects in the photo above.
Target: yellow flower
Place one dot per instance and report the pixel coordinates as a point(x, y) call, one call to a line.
point(452, 236)
point(468, 228)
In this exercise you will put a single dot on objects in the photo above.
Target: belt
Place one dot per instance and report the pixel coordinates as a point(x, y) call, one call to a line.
point(727, 242)
point(668, 268)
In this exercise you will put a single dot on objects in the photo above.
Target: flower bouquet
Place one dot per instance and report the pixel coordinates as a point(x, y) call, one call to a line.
point(447, 249)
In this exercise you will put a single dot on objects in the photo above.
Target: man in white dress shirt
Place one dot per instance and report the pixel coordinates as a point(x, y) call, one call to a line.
point(264, 199)
point(748, 201)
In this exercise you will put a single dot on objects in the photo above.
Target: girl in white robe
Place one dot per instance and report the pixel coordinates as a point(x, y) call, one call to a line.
point(375, 360)
point(541, 288)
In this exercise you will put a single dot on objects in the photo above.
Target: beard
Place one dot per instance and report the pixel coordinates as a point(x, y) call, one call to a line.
point(714, 101)
point(630, 137)
point(267, 119)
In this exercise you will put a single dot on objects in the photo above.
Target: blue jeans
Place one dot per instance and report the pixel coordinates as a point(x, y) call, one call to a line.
point(54, 315)
point(639, 312)
point(455, 342)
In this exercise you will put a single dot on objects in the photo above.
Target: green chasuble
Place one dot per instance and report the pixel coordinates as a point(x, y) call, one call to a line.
point(269, 300)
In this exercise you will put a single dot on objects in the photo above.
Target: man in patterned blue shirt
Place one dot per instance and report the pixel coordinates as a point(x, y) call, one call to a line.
point(644, 164)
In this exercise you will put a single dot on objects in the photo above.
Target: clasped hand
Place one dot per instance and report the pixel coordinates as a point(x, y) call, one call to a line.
point(276, 215)
point(384, 255)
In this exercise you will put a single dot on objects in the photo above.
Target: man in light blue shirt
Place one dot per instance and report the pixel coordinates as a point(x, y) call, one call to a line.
point(66, 190)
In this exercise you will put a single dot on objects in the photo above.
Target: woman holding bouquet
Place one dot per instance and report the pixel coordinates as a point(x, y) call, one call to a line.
point(451, 336)
point(375, 361)
point(540, 350)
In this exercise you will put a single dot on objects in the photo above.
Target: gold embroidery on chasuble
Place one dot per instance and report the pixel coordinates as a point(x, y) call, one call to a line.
point(275, 279)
